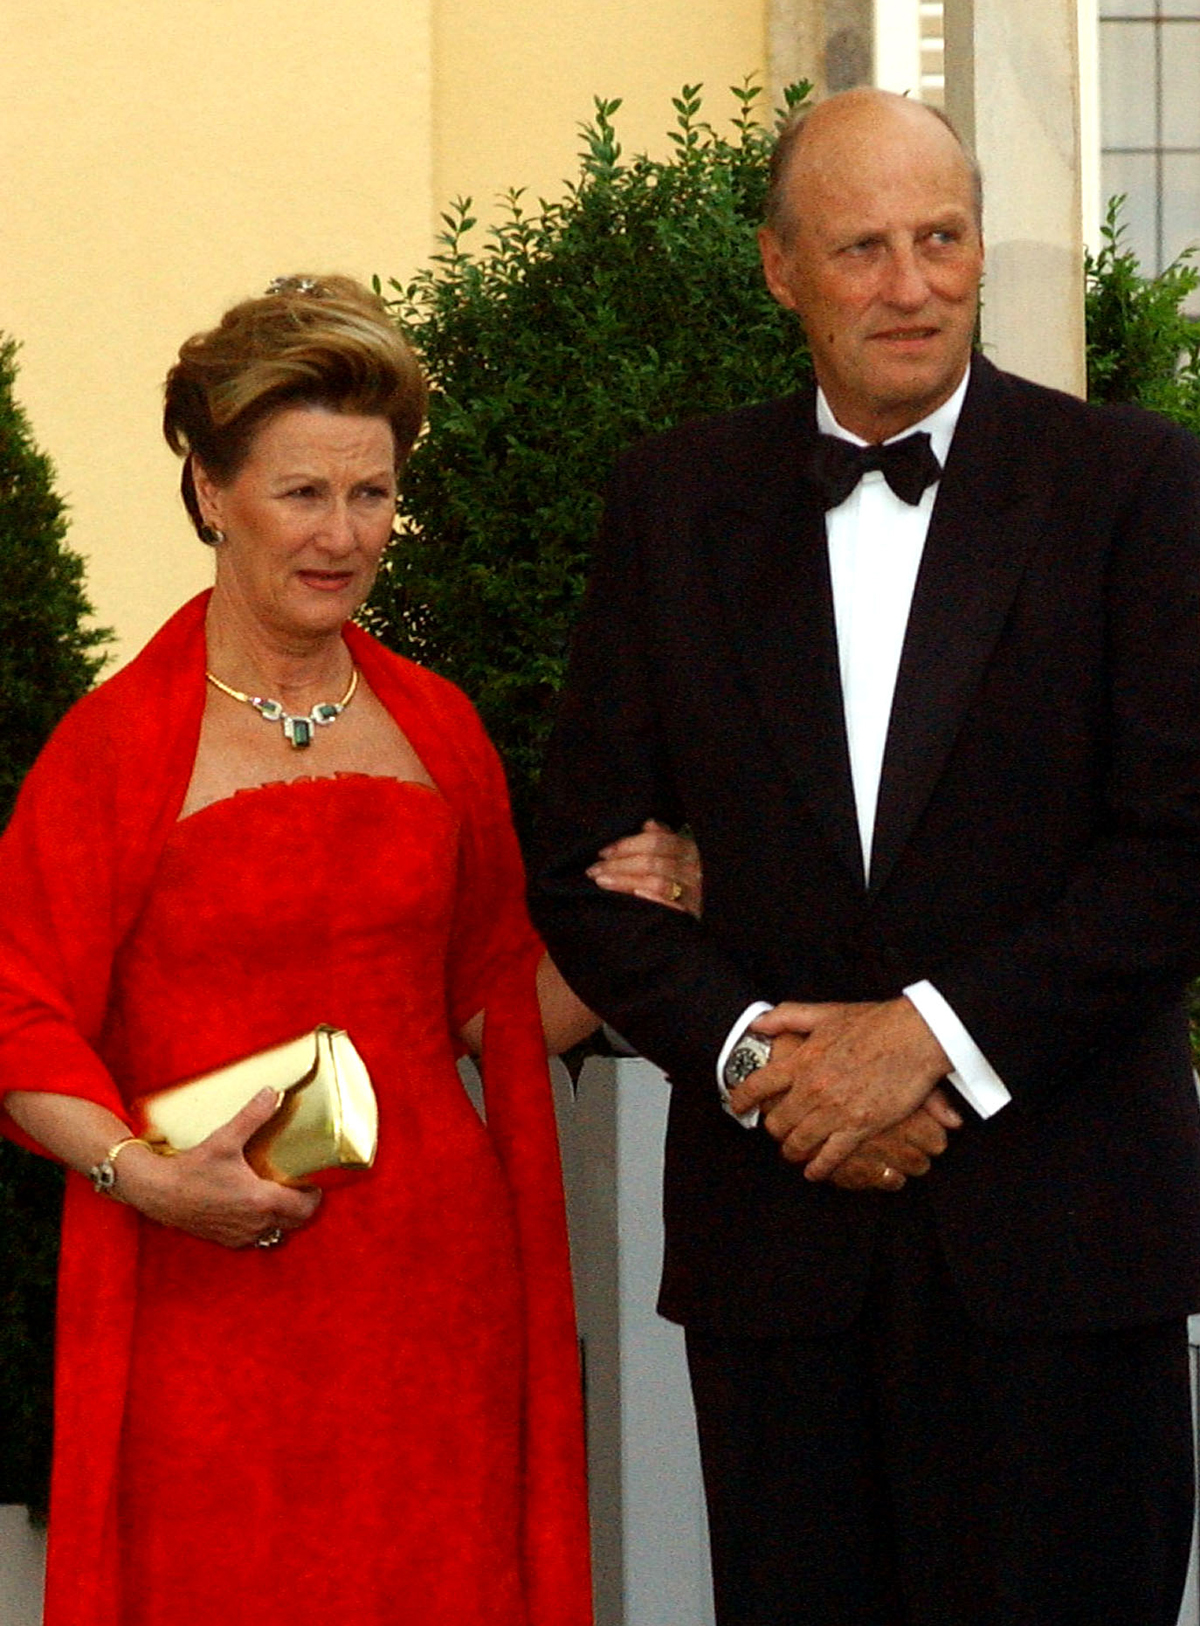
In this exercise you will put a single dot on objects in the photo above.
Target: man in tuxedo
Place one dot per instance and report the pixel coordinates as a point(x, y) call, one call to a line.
point(917, 657)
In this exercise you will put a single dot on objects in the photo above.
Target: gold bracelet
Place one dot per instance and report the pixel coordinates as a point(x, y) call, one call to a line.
point(103, 1175)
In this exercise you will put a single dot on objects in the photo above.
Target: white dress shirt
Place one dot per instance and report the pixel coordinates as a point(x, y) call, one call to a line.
point(875, 542)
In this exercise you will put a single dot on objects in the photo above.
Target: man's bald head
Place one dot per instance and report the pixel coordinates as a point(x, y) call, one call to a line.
point(779, 214)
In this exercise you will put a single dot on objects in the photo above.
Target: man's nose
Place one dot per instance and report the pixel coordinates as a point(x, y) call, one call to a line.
point(907, 286)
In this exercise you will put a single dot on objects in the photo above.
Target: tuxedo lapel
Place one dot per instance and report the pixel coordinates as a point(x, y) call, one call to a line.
point(983, 525)
point(769, 564)
point(770, 576)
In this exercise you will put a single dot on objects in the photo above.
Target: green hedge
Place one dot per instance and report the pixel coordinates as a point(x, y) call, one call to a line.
point(578, 327)
point(1141, 346)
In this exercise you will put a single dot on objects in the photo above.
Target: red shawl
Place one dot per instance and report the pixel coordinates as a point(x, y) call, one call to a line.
point(78, 859)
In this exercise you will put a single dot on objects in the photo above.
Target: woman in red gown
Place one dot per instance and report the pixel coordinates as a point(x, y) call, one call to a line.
point(277, 1406)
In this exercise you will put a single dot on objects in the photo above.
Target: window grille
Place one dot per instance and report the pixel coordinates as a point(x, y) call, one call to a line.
point(1150, 122)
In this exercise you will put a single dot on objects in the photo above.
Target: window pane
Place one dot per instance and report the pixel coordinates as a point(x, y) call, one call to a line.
point(1127, 8)
point(1179, 8)
point(1134, 175)
point(1181, 84)
point(1127, 81)
point(1181, 204)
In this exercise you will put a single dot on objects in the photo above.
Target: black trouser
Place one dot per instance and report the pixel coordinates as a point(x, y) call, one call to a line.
point(918, 1471)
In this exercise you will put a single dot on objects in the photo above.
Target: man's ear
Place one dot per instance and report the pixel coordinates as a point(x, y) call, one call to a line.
point(775, 267)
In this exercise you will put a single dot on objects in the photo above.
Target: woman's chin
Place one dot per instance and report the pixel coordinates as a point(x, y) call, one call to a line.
point(317, 610)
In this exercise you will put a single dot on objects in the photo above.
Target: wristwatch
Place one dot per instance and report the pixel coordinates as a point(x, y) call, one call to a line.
point(750, 1053)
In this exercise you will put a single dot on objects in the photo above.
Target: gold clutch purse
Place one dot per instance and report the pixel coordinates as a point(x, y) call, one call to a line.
point(328, 1118)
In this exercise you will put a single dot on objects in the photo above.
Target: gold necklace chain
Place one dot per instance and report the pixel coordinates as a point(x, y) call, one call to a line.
point(297, 727)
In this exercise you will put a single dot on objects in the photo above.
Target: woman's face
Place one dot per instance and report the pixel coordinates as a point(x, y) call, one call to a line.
point(306, 519)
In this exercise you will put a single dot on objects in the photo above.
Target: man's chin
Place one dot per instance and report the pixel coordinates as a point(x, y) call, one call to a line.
point(908, 394)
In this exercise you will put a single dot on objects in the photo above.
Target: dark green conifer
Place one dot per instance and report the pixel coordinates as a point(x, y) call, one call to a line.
point(48, 658)
point(47, 648)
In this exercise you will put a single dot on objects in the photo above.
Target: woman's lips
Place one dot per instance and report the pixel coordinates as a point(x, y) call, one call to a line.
point(326, 581)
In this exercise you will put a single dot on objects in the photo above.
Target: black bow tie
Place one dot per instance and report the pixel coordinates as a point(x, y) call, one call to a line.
point(908, 466)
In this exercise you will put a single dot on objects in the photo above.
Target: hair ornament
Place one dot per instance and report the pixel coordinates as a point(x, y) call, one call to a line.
point(294, 285)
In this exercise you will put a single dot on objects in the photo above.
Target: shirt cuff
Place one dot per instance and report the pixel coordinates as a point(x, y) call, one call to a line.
point(973, 1076)
point(748, 1120)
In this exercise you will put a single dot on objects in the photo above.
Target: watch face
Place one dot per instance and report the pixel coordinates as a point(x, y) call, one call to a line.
point(747, 1056)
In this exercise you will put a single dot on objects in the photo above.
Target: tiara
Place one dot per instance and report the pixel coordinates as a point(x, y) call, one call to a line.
point(293, 285)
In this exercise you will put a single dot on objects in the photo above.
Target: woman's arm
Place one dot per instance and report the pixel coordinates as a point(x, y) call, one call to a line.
point(211, 1191)
point(566, 1020)
point(656, 864)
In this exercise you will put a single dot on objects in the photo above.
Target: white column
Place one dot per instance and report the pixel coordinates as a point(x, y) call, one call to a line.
point(1013, 88)
point(649, 1529)
point(795, 45)
point(22, 1566)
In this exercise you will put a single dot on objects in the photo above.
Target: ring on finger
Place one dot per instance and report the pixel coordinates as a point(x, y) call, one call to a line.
point(676, 891)
point(270, 1239)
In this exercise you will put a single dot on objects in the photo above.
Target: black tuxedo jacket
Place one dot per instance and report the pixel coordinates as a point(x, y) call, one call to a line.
point(1036, 850)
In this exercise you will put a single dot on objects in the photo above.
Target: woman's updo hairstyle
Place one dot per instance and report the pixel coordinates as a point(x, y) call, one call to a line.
point(309, 341)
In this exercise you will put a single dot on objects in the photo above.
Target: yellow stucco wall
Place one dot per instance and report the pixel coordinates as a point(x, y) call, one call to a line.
point(515, 79)
point(159, 161)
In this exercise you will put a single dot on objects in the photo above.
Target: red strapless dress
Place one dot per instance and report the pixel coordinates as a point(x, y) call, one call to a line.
point(328, 1431)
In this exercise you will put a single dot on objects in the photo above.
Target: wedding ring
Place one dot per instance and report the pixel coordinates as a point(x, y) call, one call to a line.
point(270, 1239)
point(885, 1174)
point(676, 891)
